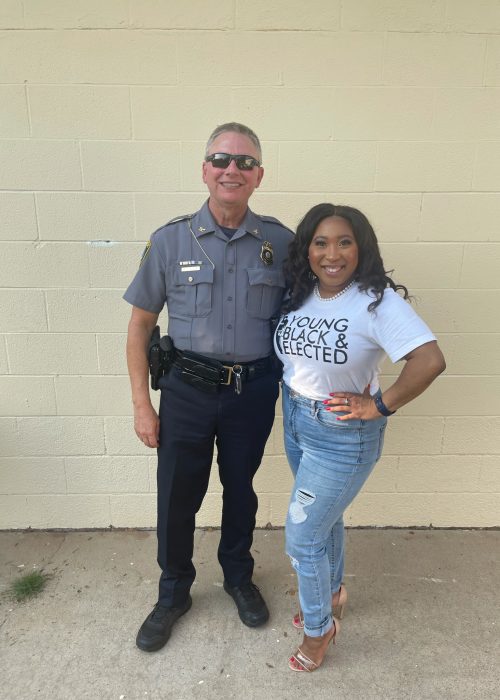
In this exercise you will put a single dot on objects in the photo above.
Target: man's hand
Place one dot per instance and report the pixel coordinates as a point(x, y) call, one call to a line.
point(147, 425)
point(146, 421)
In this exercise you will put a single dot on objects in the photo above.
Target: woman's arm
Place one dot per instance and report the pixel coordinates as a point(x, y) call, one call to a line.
point(422, 366)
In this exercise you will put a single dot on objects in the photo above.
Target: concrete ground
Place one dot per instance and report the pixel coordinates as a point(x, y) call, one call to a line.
point(422, 621)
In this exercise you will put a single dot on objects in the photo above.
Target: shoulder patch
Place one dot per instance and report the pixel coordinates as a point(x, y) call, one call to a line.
point(145, 253)
point(184, 217)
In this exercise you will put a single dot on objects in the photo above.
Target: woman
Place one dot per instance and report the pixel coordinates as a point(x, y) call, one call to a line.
point(343, 315)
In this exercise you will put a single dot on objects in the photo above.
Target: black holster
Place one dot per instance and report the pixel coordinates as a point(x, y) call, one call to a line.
point(161, 354)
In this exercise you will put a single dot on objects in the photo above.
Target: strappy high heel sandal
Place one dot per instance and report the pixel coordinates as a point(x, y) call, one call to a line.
point(301, 663)
point(338, 608)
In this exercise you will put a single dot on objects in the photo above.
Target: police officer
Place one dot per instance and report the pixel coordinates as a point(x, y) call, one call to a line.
point(219, 272)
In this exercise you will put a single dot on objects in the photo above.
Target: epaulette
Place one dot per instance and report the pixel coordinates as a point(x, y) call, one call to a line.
point(184, 217)
point(273, 220)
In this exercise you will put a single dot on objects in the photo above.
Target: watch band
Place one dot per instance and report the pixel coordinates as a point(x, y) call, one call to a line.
point(381, 407)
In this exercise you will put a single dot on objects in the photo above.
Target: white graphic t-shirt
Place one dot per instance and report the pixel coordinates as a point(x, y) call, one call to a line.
point(338, 345)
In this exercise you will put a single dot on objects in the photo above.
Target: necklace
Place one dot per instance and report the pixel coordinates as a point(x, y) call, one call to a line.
point(335, 296)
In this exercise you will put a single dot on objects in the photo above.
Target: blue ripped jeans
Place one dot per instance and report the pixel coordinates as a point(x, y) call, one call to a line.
point(331, 461)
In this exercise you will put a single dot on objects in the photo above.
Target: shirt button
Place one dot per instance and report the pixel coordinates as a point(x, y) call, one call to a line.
point(230, 298)
point(230, 269)
point(229, 326)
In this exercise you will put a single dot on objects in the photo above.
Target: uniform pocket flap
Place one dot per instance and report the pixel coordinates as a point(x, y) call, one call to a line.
point(271, 278)
point(190, 276)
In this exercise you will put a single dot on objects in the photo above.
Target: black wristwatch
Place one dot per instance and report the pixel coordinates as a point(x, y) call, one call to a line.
point(381, 407)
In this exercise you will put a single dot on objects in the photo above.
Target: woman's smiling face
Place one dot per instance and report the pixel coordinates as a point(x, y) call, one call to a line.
point(333, 255)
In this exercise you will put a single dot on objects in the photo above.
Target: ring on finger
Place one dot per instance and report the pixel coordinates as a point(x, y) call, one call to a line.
point(346, 401)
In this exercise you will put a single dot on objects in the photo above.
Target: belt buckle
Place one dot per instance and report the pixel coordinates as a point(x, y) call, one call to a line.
point(229, 375)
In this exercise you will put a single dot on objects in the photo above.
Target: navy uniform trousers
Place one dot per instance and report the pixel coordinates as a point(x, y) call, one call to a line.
point(190, 422)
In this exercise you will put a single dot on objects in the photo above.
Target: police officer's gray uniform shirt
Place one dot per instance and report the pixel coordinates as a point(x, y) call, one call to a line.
point(220, 293)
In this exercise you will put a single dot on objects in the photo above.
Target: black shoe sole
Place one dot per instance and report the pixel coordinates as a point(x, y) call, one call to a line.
point(248, 623)
point(156, 646)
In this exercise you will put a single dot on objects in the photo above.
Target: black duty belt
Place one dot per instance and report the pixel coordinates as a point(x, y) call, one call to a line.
point(208, 374)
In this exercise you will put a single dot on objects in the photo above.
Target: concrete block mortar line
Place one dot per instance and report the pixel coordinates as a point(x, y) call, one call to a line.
point(28, 107)
point(46, 309)
point(6, 347)
point(65, 472)
point(37, 214)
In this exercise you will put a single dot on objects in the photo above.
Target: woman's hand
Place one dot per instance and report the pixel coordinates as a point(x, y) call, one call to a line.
point(422, 366)
point(359, 406)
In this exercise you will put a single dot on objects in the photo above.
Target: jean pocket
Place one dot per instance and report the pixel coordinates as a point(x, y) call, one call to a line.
point(329, 419)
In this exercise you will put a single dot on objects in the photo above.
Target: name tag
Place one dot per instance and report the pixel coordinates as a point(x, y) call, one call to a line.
point(190, 268)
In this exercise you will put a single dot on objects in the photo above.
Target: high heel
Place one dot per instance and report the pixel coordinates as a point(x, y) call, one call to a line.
point(338, 608)
point(301, 663)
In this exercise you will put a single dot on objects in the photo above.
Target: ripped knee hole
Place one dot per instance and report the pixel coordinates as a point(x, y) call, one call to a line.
point(302, 499)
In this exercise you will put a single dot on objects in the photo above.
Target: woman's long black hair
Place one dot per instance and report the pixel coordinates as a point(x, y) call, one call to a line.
point(370, 274)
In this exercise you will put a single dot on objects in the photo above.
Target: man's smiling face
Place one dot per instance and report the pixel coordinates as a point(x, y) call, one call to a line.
point(230, 187)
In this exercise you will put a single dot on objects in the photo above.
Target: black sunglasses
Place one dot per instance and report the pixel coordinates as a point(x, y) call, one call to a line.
point(222, 160)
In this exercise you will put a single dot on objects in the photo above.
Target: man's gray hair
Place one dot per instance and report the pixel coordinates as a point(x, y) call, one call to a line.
point(237, 128)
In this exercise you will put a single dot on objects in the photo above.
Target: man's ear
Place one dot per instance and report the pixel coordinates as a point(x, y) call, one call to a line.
point(261, 175)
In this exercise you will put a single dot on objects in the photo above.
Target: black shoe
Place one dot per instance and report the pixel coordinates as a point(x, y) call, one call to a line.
point(252, 608)
point(156, 629)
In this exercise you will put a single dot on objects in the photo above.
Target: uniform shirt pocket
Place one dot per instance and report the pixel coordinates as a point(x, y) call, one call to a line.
point(265, 292)
point(190, 291)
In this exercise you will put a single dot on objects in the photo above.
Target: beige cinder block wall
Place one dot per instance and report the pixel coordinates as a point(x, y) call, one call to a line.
point(104, 109)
